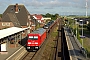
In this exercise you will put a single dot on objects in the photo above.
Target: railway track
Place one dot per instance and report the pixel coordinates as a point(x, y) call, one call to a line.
point(61, 44)
point(58, 50)
point(38, 55)
point(28, 56)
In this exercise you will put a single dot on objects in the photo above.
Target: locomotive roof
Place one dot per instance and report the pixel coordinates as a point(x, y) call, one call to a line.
point(39, 31)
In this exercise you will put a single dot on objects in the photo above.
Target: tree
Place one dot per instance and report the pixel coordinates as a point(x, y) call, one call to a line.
point(48, 15)
point(53, 16)
point(56, 15)
point(88, 26)
point(1, 15)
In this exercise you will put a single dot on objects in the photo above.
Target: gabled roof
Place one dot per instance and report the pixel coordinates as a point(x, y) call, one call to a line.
point(11, 17)
point(21, 17)
point(14, 19)
point(38, 16)
point(6, 18)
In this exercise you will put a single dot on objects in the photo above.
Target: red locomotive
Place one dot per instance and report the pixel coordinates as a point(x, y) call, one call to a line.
point(35, 39)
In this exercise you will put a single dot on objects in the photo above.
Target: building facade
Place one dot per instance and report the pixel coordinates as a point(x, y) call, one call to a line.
point(16, 16)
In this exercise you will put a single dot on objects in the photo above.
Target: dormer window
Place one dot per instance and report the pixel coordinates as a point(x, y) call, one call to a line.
point(11, 9)
point(19, 9)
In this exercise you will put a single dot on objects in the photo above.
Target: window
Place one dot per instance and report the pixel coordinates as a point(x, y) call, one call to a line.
point(33, 38)
point(11, 8)
point(5, 24)
point(19, 9)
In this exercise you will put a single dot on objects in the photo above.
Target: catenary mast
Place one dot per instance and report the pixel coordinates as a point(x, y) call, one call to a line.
point(86, 8)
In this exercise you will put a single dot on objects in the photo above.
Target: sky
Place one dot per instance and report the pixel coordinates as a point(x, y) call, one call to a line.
point(62, 7)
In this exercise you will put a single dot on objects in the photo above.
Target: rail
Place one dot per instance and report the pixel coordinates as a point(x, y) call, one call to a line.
point(28, 56)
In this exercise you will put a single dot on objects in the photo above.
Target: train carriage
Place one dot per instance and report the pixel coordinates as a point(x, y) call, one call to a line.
point(35, 39)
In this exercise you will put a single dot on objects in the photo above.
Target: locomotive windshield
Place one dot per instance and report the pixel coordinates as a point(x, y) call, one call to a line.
point(33, 38)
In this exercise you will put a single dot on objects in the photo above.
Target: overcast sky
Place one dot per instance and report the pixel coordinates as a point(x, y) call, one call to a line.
point(62, 7)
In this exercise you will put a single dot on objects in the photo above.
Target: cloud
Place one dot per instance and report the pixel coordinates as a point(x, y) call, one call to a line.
point(47, 4)
point(55, 3)
point(48, 8)
point(36, 3)
point(33, 3)
point(5, 2)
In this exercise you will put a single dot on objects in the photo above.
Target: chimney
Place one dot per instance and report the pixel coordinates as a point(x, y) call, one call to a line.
point(16, 8)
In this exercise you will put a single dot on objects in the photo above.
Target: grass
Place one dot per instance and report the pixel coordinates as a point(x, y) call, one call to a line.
point(86, 41)
point(49, 49)
point(86, 31)
point(54, 34)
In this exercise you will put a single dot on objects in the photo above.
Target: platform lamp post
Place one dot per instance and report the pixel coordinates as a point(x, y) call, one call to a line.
point(72, 24)
point(76, 27)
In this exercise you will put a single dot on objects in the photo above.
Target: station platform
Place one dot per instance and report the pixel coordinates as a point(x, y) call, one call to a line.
point(11, 51)
point(5, 55)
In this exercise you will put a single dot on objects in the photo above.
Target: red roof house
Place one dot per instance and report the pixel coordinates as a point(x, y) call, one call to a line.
point(39, 18)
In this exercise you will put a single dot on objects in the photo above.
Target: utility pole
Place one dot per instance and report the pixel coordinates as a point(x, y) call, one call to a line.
point(86, 8)
point(76, 28)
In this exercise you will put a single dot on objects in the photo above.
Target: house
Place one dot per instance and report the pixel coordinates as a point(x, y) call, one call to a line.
point(39, 18)
point(17, 16)
point(47, 19)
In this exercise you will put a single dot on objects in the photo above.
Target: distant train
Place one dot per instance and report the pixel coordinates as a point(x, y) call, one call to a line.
point(48, 24)
point(37, 37)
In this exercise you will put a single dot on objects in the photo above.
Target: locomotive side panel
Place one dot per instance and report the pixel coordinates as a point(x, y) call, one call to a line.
point(43, 37)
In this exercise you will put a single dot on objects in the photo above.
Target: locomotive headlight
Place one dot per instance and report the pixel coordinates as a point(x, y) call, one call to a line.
point(36, 47)
point(36, 43)
point(28, 47)
point(29, 42)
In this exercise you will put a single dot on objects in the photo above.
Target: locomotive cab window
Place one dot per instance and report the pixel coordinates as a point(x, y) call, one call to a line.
point(30, 37)
point(33, 38)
